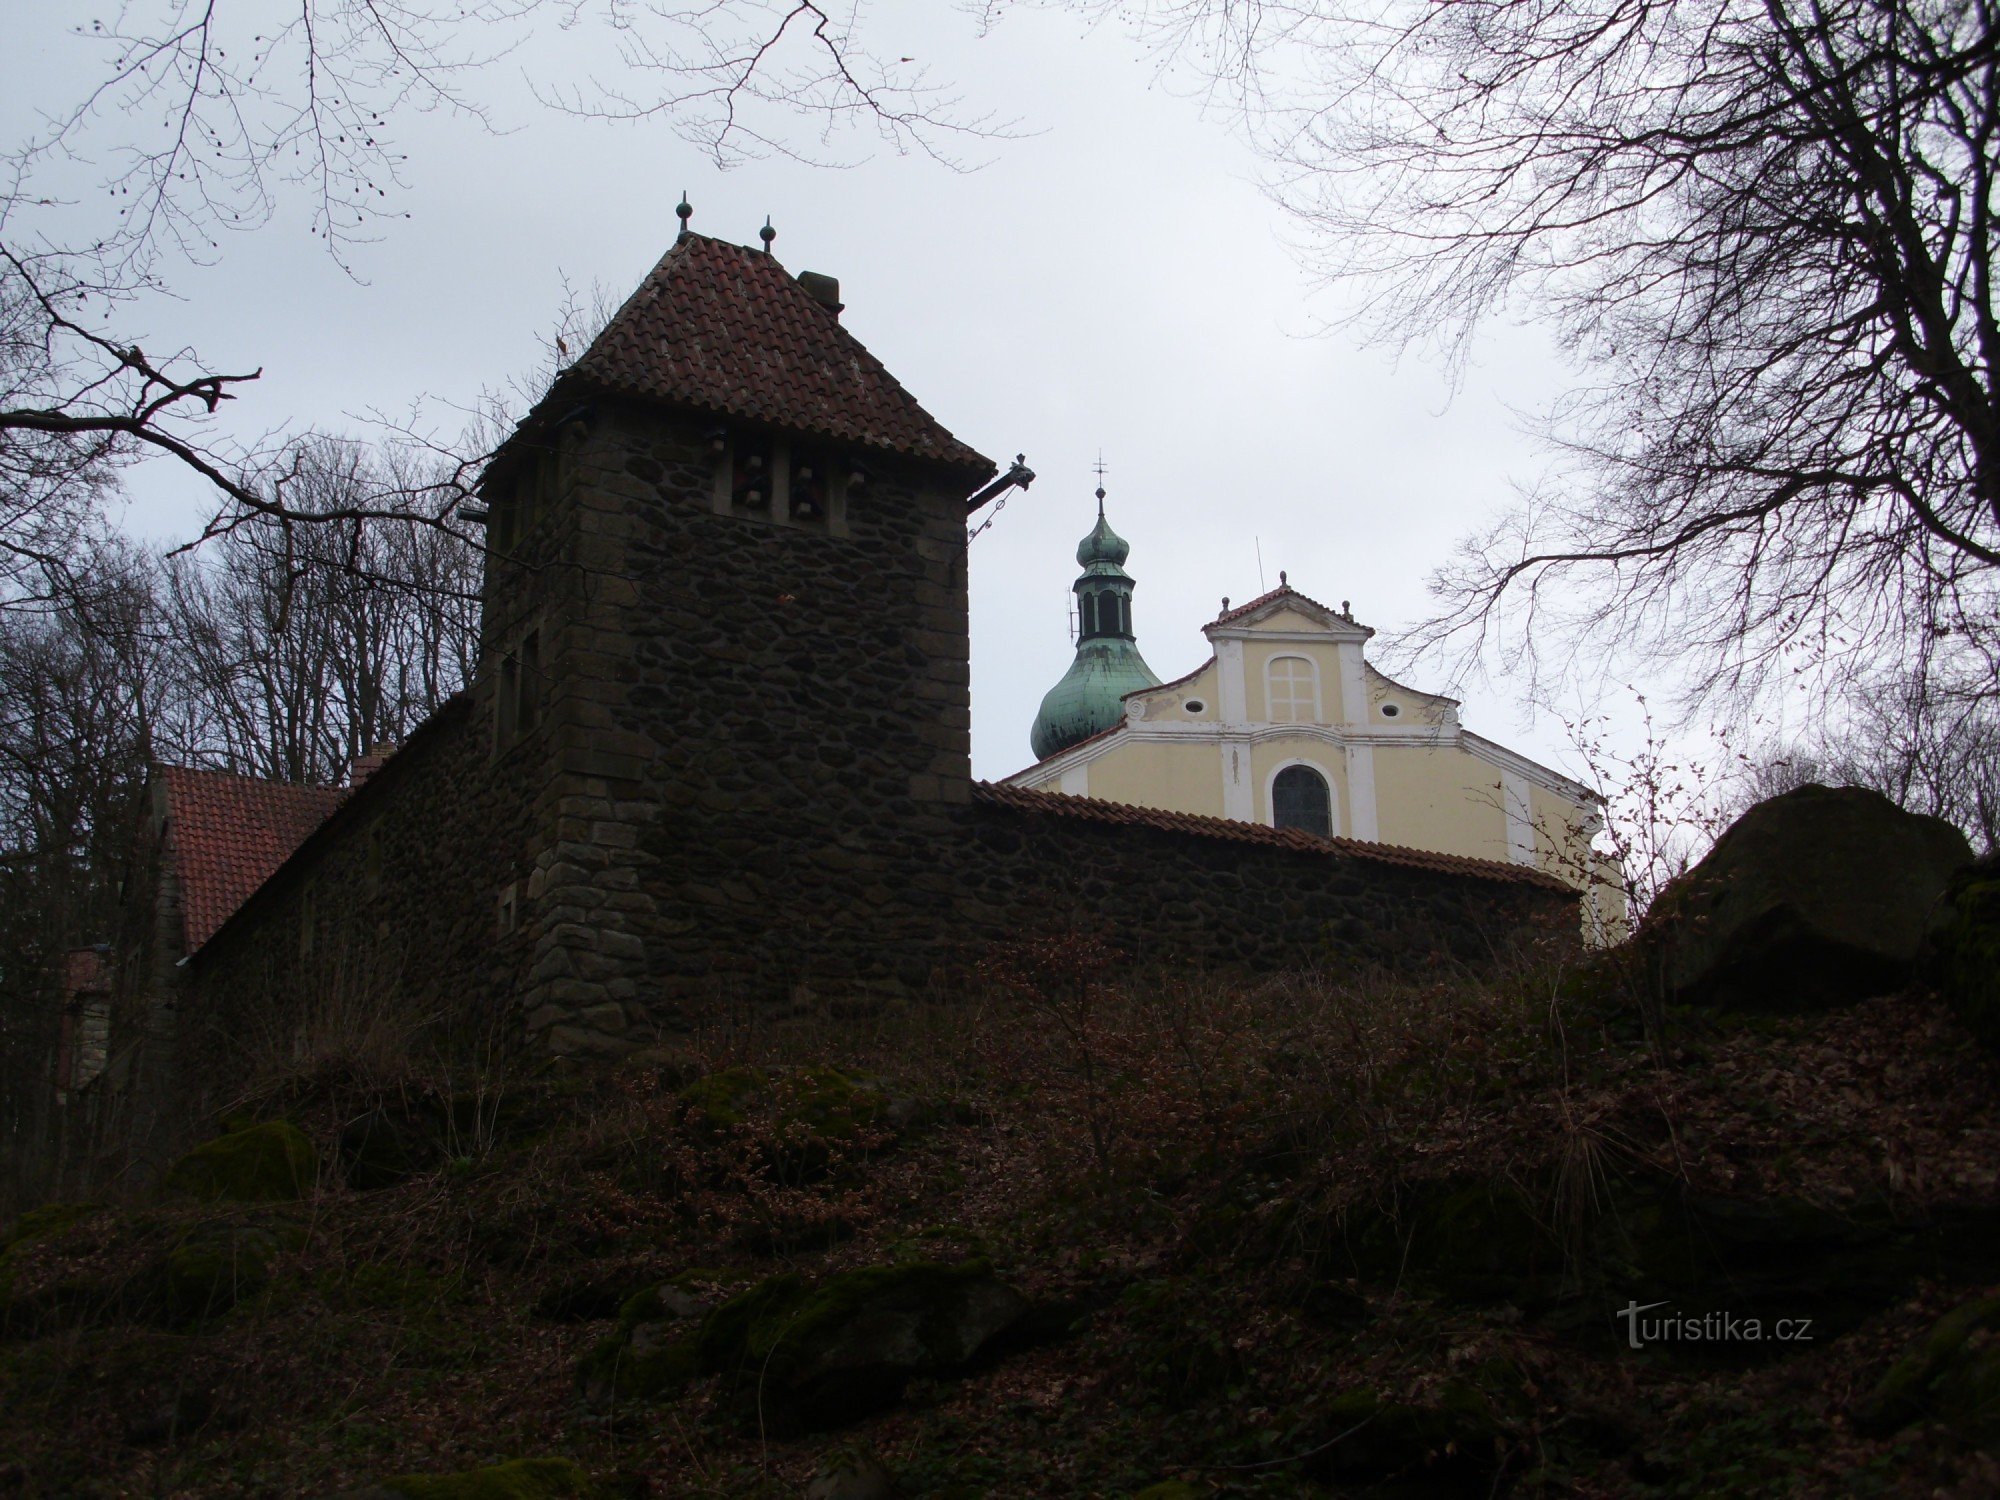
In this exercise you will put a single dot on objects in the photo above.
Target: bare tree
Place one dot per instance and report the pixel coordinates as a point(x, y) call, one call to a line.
point(310, 636)
point(87, 697)
point(1765, 229)
point(1925, 747)
point(203, 116)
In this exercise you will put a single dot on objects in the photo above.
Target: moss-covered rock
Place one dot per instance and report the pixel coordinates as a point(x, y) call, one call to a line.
point(1966, 948)
point(657, 1347)
point(42, 1223)
point(1951, 1374)
point(523, 1479)
point(809, 1357)
point(212, 1269)
point(266, 1163)
point(837, 1352)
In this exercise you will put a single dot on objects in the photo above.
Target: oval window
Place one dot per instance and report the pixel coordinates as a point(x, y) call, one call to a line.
point(1389, 710)
point(1194, 705)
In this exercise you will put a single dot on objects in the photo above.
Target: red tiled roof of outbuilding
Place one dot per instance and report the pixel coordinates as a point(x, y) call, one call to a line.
point(727, 329)
point(229, 834)
point(1095, 810)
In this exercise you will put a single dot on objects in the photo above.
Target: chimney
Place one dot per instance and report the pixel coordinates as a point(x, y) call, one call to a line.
point(825, 290)
point(369, 764)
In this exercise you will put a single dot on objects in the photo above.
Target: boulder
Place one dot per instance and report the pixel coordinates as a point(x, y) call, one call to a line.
point(1965, 949)
point(1951, 1375)
point(799, 1357)
point(1811, 899)
point(266, 1163)
point(212, 1269)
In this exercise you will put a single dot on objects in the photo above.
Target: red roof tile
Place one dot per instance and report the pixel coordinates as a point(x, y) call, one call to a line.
point(727, 329)
point(1095, 810)
point(229, 834)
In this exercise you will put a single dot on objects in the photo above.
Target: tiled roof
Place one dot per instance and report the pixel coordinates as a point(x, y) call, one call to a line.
point(1094, 810)
point(229, 833)
point(1282, 591)
point(727, 329)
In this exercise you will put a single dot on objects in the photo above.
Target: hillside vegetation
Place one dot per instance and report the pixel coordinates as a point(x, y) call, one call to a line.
point(1065, 1233)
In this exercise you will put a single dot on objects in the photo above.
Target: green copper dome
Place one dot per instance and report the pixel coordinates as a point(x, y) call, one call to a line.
point(1108, 664)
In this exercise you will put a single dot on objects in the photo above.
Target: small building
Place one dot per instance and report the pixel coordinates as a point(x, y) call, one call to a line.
point(1289, 725)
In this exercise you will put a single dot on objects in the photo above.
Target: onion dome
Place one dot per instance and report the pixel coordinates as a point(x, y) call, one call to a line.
point(1089, 698)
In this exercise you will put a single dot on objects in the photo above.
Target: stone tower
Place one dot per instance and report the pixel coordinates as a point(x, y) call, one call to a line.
point(735, 554)
point(1108, 664)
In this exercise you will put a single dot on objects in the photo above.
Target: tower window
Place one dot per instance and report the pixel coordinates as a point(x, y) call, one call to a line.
point(1294, 690)
point(752, 477)
point(1087, 613)
point(809, 487)
point(1300, 798)
point(767, 479)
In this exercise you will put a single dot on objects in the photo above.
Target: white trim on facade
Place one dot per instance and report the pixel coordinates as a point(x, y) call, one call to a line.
point(1361, 792)
point(1239, 794)
point(1516, 803)
point(1235, 699)
point(1501, 758)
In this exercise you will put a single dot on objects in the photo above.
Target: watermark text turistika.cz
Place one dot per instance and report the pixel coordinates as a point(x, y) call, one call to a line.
point(1707, 1328)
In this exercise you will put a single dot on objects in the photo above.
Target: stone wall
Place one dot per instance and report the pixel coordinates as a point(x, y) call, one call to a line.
point(714, 759)
point(1163, 895)
point(390, 915)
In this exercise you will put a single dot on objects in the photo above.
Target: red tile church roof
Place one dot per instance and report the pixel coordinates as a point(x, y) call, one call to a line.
point(727, 329)
point(229, 834)
point(1282, 591)
point(1095, 810)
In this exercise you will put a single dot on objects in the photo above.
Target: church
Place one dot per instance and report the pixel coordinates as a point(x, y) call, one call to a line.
point(716, 755)
point(1287, 724)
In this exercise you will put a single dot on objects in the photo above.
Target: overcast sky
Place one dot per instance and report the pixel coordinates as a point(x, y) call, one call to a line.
point(1114, 281)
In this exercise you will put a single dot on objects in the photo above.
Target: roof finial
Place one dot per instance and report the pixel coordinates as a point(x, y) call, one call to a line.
point(767, 234)
point(1283, 582)
point(1346, 610)
point(1225, 604)
point(1100, 484)
point(684, 211)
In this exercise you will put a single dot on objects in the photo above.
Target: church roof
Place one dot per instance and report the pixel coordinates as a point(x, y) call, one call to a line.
point(229, 834)
point(1284, 596)
point(1096, 810)
point(727, 329)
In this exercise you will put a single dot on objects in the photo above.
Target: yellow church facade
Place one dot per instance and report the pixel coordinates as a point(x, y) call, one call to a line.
point(1288, 724)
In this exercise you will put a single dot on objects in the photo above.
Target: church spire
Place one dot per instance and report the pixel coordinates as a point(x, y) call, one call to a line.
point(1108, 664)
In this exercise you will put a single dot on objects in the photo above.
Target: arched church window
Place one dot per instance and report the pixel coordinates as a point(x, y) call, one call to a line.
point(1300, 798)
point(1294, 690)
point(1087, 614)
